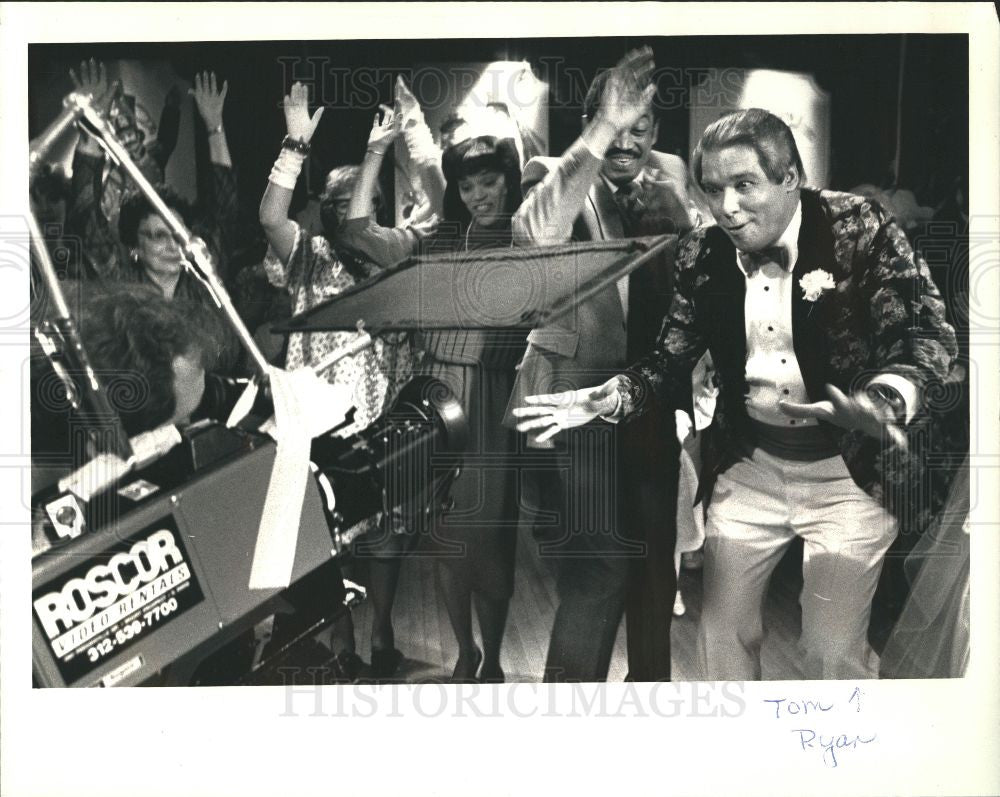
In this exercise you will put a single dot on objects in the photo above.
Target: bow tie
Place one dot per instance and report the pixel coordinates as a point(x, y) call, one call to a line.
point(754, 261)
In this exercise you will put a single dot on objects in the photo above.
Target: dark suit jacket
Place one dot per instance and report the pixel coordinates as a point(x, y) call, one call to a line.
point(566, 199)
point(885, 315)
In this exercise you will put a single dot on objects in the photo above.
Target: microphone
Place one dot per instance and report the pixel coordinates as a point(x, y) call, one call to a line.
point(73, 108)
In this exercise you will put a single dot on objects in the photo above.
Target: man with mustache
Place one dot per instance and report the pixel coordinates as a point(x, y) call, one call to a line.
point(830, 344)
point(607, 507)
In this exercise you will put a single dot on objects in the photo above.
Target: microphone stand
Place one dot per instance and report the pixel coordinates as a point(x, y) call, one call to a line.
point(85, 393)
point(88, 397)
point(91, 399)
point(198, 260)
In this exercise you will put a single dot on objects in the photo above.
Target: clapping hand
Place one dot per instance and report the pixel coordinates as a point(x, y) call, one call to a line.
point(209, 98)
point(297, 121)
point(857, 411)
point(663, 211)
point(385, 130)
point(628, 91)
point(554, 412)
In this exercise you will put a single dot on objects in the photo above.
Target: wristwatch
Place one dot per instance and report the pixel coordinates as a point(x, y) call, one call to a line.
point(887, 396)
point(627, 395)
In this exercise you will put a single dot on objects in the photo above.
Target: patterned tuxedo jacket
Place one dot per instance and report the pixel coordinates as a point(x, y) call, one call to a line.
point(884, 316)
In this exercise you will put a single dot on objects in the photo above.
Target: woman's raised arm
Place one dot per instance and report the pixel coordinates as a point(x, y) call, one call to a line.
point(279, 229)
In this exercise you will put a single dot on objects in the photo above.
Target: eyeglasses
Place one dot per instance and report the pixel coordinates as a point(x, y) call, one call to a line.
point(159, 237)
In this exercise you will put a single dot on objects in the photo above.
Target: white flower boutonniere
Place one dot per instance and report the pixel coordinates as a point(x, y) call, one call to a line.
point(815, 282)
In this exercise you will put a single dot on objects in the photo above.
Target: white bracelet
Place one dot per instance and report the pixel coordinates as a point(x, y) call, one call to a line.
point(285, 172)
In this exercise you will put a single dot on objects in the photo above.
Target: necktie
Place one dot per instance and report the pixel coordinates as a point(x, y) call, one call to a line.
point(630, 205)
point(753, 261)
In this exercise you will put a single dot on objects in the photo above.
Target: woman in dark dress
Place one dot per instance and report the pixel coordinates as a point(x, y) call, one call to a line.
point(476, 539)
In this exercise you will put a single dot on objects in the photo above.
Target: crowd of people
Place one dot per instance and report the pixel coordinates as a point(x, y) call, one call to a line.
point(759, 386)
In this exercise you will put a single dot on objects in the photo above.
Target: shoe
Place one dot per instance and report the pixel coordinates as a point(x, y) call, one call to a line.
point(385, 662)
point(679, 607)
point(495, 677)
point(347, 667)
point(458, 678)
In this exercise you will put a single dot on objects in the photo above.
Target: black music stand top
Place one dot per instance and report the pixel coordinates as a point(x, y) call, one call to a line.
point(514, 288)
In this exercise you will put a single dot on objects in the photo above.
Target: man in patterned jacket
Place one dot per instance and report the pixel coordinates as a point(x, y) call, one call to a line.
point(826, 331)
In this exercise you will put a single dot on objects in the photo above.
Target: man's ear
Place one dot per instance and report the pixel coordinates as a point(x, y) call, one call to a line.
point(792, 180)
point(656, 132)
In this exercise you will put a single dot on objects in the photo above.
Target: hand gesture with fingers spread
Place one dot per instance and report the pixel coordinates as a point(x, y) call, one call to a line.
point(628, 90)
point(209, 98)
point(553, 412)
point(857, 411)
point(297, 121)
point(93, 80)
point(385, 130)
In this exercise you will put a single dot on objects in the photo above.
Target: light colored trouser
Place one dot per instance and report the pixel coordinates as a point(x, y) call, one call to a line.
point(758, 506)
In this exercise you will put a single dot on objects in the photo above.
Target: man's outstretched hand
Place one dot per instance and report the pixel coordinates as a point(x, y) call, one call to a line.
point(857, 411)
point(553, 412)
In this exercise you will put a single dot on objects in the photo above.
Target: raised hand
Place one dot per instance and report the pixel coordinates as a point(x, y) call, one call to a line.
point(628, 90)
point(554, 412)
point(857, 411)
point(209, 98)
point(93, 80)
point(385, 129)
point(297, 120)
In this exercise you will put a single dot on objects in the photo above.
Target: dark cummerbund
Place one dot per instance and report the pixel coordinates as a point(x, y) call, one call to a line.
point(801, 444)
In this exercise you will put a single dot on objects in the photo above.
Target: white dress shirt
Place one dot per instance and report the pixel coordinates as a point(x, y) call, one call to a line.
point(772, 370)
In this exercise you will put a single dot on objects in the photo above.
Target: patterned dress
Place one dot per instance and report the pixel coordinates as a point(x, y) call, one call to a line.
point(313, 274)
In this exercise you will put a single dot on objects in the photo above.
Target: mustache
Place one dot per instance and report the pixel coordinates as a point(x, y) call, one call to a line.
point(615, 151)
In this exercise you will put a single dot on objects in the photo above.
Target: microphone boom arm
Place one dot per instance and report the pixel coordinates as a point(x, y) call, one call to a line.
point(195, 252)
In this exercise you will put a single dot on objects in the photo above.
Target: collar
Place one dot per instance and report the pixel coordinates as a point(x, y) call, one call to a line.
point(788, 240)
point(640, 178)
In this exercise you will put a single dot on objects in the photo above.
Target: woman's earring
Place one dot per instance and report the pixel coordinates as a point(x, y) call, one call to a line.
point(135, 257)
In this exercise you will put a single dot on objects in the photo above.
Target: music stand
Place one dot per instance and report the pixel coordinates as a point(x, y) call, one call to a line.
point(515, 288)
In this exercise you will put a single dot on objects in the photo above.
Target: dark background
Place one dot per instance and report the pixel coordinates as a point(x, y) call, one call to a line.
point(868, 91)
point(861, 73)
